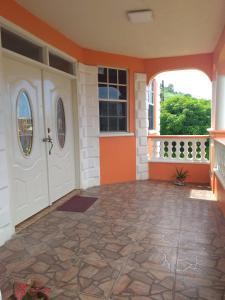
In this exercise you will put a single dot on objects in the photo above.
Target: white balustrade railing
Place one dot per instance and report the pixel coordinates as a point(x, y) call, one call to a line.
point(179, 148)
point(219, 165)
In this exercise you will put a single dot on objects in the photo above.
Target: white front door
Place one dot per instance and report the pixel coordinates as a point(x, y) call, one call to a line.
point(29, 181)
point(59, 131)
point(41, 140)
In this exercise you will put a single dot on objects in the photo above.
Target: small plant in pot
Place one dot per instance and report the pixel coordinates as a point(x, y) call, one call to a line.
point(180, 176)
point(31, 290)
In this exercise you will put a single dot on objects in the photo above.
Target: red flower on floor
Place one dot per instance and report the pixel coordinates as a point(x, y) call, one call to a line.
point(32, 289)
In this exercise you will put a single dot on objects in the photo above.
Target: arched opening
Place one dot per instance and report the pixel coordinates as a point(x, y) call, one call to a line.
point(179, 103)
point(179, 113)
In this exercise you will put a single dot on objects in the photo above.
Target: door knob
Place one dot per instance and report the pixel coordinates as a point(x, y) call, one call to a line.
point(49, 140)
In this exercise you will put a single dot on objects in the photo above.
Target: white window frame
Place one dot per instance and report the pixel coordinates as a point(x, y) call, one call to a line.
point(151, 102)
point(124, 132)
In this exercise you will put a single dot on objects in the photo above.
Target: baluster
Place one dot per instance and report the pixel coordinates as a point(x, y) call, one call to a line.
point(202, 152)
point(161, 153)
point(194, 147)
point(216, 156)
point(157, 148)
point(179, 149)
point(170, 152)
point(219, 157)
point(154, 150)
point(222, 162)
point(186, 149)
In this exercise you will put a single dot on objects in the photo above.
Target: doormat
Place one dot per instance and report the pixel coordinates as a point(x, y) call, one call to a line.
point(77, 204)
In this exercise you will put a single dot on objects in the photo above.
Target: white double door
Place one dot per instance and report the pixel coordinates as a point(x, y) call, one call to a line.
point(41, 139)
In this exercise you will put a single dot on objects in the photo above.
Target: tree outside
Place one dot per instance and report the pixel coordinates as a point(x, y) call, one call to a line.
point(183, 114)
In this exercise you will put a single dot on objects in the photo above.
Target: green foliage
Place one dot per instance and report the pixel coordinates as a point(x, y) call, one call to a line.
point(168, 91)
point(181, 175)
point(182, 114)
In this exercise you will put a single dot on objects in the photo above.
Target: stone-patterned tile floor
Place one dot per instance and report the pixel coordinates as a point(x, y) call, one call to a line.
point(139, 241)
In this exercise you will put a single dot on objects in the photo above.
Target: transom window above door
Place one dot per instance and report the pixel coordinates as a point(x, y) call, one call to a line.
point(113, 99)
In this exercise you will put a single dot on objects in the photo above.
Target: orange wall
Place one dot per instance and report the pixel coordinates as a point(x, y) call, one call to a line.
point(119, 165)
point(15, 13)
point(197, 173)
point(203, 62)
point(112, 166)
point(220, 194)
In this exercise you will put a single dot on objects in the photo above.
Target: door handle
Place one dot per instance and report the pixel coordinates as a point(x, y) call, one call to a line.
point(49, 140)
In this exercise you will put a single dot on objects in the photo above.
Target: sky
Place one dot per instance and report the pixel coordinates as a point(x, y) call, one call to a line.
point(192, 82)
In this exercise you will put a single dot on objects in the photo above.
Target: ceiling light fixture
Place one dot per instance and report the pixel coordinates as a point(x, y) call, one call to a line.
point(140, 16)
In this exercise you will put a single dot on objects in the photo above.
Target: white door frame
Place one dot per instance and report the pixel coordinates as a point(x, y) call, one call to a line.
point(20, 58)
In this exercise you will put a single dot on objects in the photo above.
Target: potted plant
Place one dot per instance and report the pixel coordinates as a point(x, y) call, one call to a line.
point(180, 176)
point(32, 290)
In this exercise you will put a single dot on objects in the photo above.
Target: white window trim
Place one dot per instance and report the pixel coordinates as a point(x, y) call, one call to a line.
point(119, 133)
point(115, 134)
point(151, 102)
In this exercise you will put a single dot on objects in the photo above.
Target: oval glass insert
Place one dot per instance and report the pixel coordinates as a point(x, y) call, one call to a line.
point(24, 123)
point(61, 123)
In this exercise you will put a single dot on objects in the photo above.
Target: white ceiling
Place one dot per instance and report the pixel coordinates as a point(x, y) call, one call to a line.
point(180, 27)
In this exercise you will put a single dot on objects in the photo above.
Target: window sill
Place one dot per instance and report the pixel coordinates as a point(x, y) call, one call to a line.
point(116, 134)
point(153, 132)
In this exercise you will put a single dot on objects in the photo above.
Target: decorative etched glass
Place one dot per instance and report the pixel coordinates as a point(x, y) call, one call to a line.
point(61, 123)
point(24, 123)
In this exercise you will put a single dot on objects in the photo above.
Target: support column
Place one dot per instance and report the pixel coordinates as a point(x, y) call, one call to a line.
point(88, 119)
point(220, 103)
point(217, 120)
point(213, 106)
point(141, 111)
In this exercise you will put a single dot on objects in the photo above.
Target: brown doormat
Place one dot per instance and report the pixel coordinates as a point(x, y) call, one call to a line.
point(77, 204)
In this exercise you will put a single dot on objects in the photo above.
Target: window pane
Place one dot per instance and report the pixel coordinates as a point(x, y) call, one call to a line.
point(102, 74)
point(122, 77)
point(60, 63)
point(123, 92)
point(151, 117)
point(103, 108)
point(121, 109)
point(113, 124)
point(103, 124)
point(61, 123)
point(25, 123)
point(103, 91)
point(113, 92)
point(122, 124)
point(112, 84)
point(20, 45)
point(112, 76)
point(113, 109)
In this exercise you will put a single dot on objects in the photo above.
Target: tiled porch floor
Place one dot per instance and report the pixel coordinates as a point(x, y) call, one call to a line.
point(139, 241)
